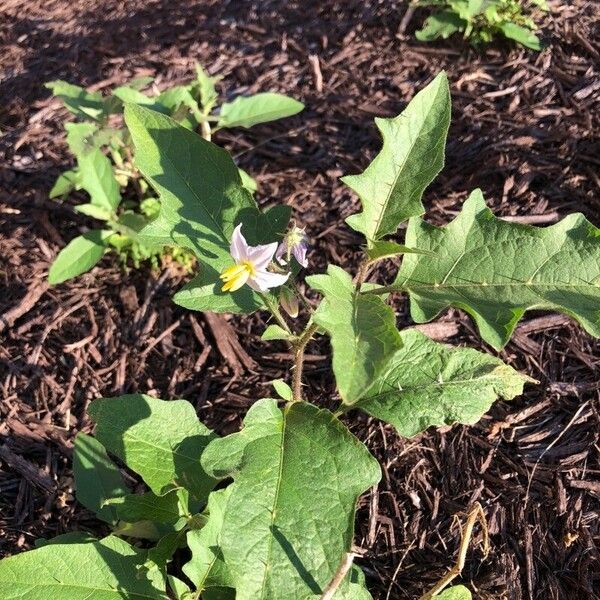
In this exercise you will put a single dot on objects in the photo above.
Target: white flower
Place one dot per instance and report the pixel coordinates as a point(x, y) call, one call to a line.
point(250, 267)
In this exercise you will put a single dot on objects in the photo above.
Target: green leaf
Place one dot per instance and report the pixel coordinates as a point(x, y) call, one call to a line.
point(391, 187)
point(495, 270)
point(79, 256)
point(202, 200)
point(363, 333)
point(440, 25)
point(274, 332)
point(97, 478)
point(84, 104)
point(458, 592)
point(206, 87)
point(521, 35)
point(160, 440)
point(103, 570)
point(289, 519)
point(426, 383)
point(248, 182)
point(386, 249)
point(166, 547)
point(81, 137)
point(97, 179)
point(207, 567)
point(150, 507)
point(204, 291)
point(282, 389)
point(94, 211)
point(179, 588)
point(72, 537)
point(65, 183)
point(258, 108)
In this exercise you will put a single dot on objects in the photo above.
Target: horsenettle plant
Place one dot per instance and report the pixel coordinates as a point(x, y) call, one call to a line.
point(268, 512)
point(120, 196)
point(481, 21)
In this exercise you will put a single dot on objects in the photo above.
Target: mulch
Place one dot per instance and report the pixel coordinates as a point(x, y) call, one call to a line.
point(525, 129)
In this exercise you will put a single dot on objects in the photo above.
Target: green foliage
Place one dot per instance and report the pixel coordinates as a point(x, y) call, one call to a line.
point(362, 329)
point(391, 187)
point(481, 21)
point(101, 570)
point(274, 537)
point(161, 441)
point(426, 383)
point(107, 170)
point(280, 525)
point(496, 270)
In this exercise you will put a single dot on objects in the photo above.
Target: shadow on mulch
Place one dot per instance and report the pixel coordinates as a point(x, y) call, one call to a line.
point(524, 129)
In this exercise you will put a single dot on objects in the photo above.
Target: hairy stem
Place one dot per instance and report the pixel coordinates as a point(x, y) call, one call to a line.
point(299, 344)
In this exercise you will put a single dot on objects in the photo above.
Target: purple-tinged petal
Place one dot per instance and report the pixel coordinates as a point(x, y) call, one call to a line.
point(265, 280)
point(299, 252)
point(239, 245)
point(261, 256)
point(281, 252)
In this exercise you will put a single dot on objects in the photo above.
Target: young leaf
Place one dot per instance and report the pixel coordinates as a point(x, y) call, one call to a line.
point(160, 440)
point(97, 179)
point(458, 592)
point(522, 35)
point(108, 569)
point(94, 211)
point(206, 88)
point(81, 137)
point(440, 25)
point(426, 383)
point(79, 256)
point(97, 478)
point(65, 183)
point(84, 104)
point(258, 108)
point(391, 187)
point(202, 200)
point(496, 270)
point(248, 182)
point(363, 333)
point(207, 568)
point(289, 519)
point(274, 332)
point(282, 389)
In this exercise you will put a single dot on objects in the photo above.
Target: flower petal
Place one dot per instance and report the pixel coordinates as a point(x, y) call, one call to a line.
point(261, 256)
point(299, 252)
point(239, 246)
point(265, 280)
point(281, 252)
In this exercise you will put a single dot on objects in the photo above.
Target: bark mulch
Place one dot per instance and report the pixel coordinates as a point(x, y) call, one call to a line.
point(525, 129)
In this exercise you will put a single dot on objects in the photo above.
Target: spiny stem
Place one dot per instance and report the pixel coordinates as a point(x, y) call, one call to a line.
point(299, 344)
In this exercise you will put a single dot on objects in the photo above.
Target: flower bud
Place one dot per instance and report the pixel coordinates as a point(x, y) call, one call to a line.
point(289, 302)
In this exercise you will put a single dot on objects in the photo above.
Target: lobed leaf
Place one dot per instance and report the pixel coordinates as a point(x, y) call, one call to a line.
point(97, 478)
point(160, 440)
point(426, 383)
point(83, 104)
point(496, 270)
point(246, 111)
point(391, 187)
point(79, 255)
point(440, 25)
point(363, 331)
point(108, 569)
point(289, 519)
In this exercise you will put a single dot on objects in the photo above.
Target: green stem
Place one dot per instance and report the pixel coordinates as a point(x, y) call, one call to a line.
point(274, 310)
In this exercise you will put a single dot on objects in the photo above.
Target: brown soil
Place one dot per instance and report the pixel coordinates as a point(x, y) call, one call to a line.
point(525, 129)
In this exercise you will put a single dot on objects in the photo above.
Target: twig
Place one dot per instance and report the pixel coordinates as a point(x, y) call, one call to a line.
point(476, 514)
point(34, 292)
point(342, 571)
